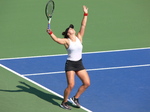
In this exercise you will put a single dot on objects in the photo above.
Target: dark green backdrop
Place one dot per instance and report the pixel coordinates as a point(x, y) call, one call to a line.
point(112, 25)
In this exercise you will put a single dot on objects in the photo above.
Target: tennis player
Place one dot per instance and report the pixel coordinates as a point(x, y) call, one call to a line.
point(73, 45)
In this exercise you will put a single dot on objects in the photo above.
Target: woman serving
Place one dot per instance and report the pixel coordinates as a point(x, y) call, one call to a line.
point(74, 65)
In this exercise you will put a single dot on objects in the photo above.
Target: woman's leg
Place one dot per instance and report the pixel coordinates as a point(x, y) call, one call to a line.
point(83, 75)
point(71, 82)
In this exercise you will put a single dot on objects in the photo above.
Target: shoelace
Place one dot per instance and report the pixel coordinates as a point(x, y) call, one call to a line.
point(76, 100)
point(66, 104)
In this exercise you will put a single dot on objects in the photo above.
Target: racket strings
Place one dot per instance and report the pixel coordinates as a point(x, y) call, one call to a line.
point(50, 8)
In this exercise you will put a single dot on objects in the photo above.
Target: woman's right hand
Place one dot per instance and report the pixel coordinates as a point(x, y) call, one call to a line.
point(48, 31)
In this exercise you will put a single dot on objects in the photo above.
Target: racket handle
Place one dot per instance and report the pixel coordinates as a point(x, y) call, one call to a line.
point(49, 26)
point(49, 21)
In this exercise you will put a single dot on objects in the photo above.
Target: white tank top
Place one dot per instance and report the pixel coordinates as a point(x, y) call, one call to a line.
point(75, 50)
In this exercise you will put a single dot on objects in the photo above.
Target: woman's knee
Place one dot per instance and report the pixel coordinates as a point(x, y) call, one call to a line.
point(86, 85)
point(70, 86)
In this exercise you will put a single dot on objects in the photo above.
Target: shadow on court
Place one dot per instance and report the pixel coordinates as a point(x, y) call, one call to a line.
point(29, 89)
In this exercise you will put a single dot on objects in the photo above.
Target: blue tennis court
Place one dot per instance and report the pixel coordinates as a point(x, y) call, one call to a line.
point(120, 80)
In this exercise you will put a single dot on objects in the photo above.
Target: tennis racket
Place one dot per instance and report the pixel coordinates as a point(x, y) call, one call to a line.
point(49, 9)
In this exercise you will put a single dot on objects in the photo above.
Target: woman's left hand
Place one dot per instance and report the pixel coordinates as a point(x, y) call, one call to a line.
point(85, 9)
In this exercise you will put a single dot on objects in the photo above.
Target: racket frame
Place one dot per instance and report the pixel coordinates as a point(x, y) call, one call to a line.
point(49, 17)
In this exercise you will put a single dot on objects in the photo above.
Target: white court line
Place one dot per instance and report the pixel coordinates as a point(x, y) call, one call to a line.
point(39, 85)
point(83, 53)
point(108, 68)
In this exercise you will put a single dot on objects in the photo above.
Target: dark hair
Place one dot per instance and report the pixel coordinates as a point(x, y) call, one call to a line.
point(66, 31)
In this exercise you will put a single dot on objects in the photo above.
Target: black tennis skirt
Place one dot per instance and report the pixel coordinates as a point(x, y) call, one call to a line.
point(74, 65)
